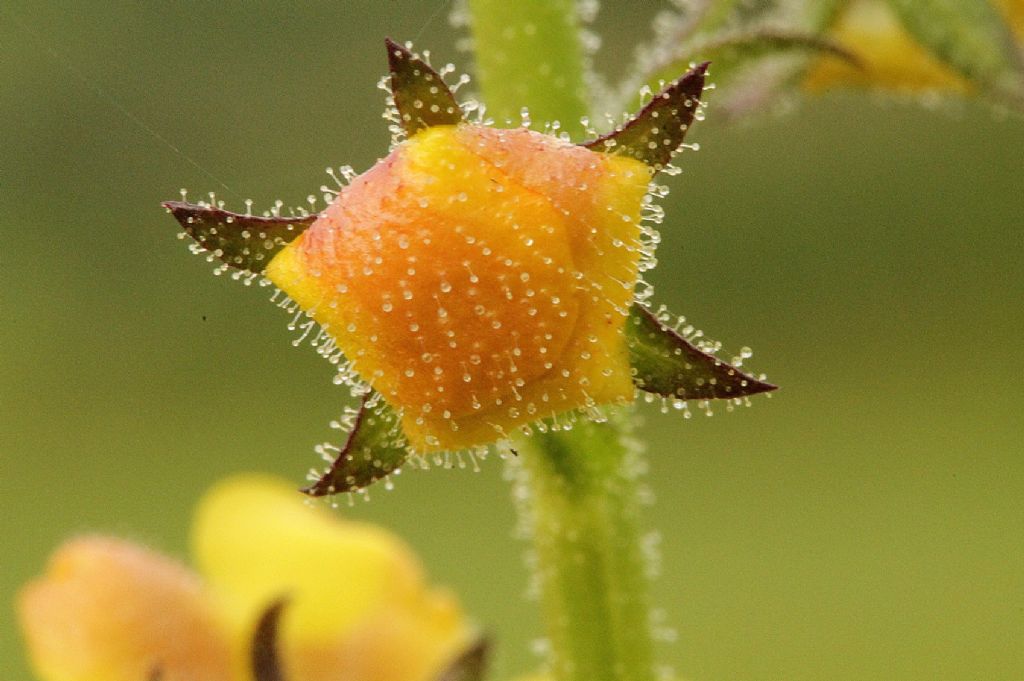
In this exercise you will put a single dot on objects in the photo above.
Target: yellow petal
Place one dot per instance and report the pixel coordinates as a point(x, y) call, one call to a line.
point(108, 610)
point(478, 279)
point(889, 56)
point(414, 642)
point(1013, 10)
point(256, 539)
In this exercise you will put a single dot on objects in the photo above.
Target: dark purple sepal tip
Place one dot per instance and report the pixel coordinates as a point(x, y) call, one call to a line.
point(244, 242)
point(421, 96)
point(656, 132)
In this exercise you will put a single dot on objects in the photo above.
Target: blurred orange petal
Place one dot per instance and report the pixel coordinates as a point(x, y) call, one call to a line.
point(109, 610)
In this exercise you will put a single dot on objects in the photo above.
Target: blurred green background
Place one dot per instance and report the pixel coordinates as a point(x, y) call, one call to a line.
point(867, 522)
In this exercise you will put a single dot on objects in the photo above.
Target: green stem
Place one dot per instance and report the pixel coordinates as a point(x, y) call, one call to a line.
point(578, 486)
point(529, 54)
point(579, 500)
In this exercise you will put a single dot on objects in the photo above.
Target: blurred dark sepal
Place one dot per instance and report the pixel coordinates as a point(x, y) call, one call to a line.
point(375, 448)
point(470, 665)
point(656, 132)
point(421, 96)
point(666, 364)
point(264, 653)
point(244, 242)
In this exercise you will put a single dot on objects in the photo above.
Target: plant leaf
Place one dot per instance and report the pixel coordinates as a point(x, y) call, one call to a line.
point(375, 447)
point(245, 242)
point(667, 364)
point(969, 36)
point(421, 96)
point(471, 665)
point(263, 651)
point(655, 133)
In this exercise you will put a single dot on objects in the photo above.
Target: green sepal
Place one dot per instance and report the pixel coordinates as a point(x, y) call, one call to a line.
point(971, 37)
point(421, 96)
point(655, 133)
point(244, 242)
point(264, 649)
point(665, 363)
point(375, 448)
point(470, 665)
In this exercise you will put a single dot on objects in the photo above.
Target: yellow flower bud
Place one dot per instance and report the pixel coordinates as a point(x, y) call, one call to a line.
point(478, 278)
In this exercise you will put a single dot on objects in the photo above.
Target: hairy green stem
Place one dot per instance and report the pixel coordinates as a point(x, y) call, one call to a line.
point(529, 54)
point(578, 486)
point(578, 493)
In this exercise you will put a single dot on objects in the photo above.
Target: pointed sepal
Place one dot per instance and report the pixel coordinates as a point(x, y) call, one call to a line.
point(420, 94)
point(264, 653)
point(244, 242)
point(667, 364)
point(470, 665)
point(656, 132)
point(375, 448)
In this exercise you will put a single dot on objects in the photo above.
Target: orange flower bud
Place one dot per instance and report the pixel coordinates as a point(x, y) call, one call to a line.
point(478, 278)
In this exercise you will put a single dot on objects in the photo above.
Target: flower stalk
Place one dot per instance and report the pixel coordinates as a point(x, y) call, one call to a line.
point(529, 54)
point(578, 491)
point(578, 486)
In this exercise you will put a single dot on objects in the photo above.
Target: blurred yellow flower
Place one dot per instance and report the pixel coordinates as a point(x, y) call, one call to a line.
point(358, 606)
point(888, 56)
point(1013, 12)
